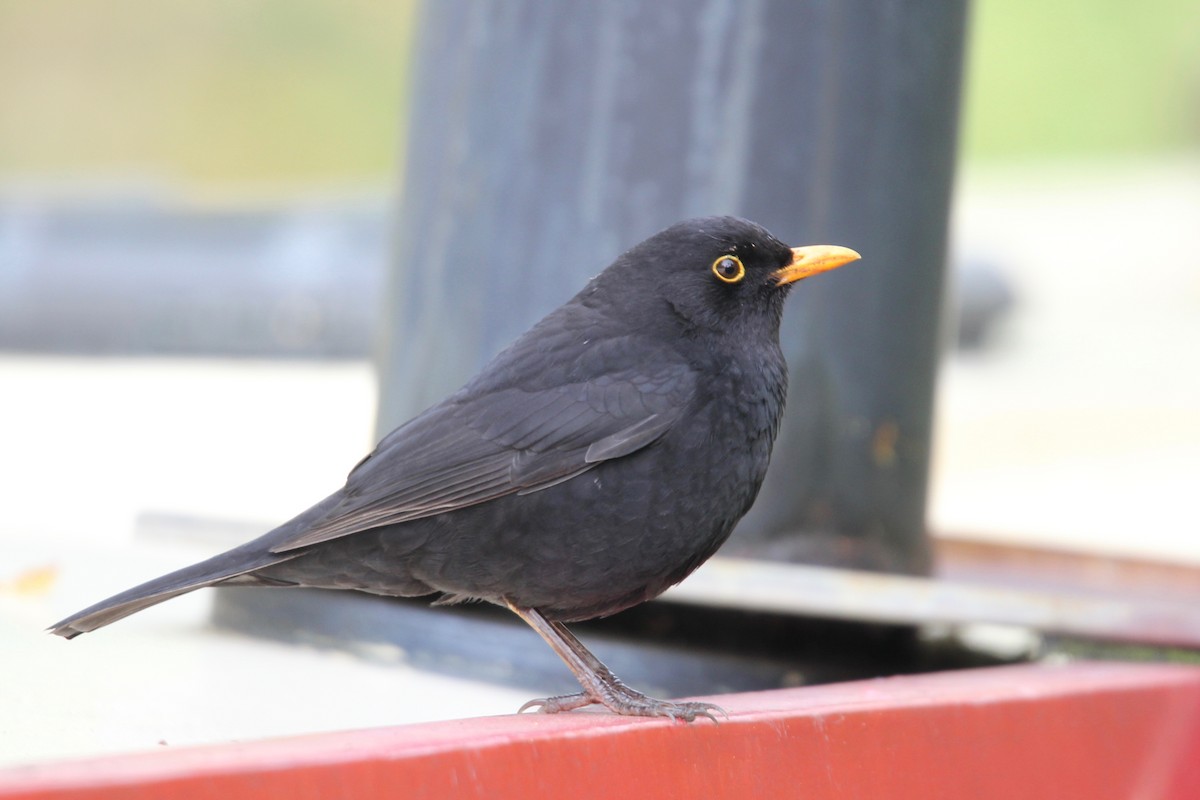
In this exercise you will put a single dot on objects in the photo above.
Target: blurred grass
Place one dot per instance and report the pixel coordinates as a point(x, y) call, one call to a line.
point(1082, 77)
point(205, 92)
point(309, 90)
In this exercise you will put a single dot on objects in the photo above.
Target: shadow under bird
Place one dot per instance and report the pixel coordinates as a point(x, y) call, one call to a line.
point(594, 463)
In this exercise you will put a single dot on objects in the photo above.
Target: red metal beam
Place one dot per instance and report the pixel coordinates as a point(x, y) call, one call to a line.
point(1080, 731)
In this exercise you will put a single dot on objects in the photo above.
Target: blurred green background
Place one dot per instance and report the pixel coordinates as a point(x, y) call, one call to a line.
point(203, 92)
point(307, 91)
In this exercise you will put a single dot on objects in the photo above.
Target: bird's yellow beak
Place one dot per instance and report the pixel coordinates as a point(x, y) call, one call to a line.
point(813, 259)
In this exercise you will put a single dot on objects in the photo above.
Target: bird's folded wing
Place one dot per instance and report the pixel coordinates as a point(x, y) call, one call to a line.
point(476, 447)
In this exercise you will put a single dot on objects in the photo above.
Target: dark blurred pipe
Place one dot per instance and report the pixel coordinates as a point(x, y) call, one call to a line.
point(124, 273)
point(544, 138)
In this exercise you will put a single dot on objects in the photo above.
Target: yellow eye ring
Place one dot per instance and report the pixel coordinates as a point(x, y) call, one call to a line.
point(729, 269)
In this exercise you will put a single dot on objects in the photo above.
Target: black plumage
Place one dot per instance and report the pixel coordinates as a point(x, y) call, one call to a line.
point(592, 464)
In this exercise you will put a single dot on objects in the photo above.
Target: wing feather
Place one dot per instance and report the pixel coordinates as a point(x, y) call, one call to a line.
point(484, 443)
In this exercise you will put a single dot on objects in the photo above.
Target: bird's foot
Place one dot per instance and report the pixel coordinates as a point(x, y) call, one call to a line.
point(620, 699)
point(600, 685)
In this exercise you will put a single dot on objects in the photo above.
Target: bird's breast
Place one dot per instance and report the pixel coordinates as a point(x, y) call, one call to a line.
point(628, 528)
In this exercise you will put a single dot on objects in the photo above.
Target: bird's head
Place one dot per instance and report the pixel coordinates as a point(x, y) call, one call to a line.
point(718, 273)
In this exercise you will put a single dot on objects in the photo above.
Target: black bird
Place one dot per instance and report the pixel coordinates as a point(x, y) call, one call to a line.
point(597, 461)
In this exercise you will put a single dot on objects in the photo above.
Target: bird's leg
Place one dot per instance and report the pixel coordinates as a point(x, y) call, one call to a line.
point(599, 684)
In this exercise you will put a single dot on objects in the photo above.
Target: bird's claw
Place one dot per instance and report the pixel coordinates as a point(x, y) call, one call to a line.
point(694, 710)
point(562, 702)
point(620, 699)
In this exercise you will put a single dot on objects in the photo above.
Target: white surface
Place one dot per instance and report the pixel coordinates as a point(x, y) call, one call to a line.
point(88, 444)
point(164, 678)
point(1081, 428)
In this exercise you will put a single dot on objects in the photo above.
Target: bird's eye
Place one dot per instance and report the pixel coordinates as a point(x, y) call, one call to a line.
point(729, 269)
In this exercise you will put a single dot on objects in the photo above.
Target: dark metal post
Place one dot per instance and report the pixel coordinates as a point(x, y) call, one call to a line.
point(546, 137)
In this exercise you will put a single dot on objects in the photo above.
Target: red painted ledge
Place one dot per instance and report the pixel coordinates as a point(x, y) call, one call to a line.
point(1079, 731)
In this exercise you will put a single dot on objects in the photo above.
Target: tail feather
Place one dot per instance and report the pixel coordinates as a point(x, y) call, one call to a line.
point(217, 569)
point(234, 565)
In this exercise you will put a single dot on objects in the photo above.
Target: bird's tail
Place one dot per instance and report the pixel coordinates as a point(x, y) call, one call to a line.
point(218, 569)
point(233, 566)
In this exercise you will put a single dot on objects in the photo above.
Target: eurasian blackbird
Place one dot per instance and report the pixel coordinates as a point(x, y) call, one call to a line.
point(595, 462)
